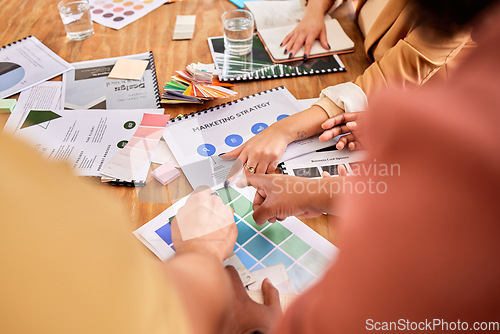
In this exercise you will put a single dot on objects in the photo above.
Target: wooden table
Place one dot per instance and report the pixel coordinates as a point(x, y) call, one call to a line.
point(154, 33)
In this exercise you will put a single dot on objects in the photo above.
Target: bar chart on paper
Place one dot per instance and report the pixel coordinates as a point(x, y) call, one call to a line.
point(304, 253)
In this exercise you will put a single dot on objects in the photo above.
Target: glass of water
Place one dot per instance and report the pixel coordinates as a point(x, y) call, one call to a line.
point(238, 31)
point(76, 18)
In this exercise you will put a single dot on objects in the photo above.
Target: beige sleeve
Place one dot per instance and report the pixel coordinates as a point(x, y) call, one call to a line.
point(70, 263)
point(344, 97)
point(412, 61)
point(328, 106)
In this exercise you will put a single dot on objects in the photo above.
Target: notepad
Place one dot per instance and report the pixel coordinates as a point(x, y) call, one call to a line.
point(165, 174)
point(7, 105)
point(132, 69)
point(184, 27)
point(297, 249)
point(274, 20)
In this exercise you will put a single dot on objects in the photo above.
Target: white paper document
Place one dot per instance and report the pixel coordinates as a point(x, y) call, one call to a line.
point(88, 86)
point(278, 277)
point(245, 275)
point(276, 19)
point(198, 139)
point(311, 165)
point(131, 164)
point(163, 155)
point(27, 62)
point(46, 96)
point(87, 139)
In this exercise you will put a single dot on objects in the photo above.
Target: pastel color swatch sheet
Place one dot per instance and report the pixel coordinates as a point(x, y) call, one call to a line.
point(303, 252)
point(132, 162)
point(117, 14)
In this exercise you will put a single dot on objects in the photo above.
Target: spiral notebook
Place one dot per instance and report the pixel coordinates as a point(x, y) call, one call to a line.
point(88, 86)
point(26, 63)
point(258, 65)
point(197, 139)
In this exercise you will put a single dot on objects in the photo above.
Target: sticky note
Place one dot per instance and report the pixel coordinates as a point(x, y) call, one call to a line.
point(184, 27)
point(7, 105)
point(132, 69)
point(165, 174)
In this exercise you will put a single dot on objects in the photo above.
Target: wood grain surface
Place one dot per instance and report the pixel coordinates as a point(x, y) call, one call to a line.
point(153, 32)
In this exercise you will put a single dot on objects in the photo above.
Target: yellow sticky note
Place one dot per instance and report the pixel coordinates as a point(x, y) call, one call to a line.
point(7, 105)
point(128, 69)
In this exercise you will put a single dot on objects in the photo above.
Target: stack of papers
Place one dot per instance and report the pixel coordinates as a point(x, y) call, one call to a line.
point(195, 84)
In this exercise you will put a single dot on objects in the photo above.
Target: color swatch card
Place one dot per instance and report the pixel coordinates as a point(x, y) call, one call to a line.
point(285, 299)
point(86, 139)
point(195, 84)
point(132, 162)
point(26, 63)
point(117, 14)
point(304, 253)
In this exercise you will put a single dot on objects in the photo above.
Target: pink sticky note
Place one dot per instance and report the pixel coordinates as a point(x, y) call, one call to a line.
point(155, 120)
point(165, 174)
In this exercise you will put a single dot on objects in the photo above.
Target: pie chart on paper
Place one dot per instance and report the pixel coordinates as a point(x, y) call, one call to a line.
point(10, 75)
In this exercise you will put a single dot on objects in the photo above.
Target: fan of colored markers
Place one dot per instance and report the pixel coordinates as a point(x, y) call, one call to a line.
point(195, 84)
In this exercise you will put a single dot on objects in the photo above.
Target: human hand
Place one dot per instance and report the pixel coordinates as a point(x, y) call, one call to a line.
point(282, 196)
point(341, 170)
point(310, 28)
point(204, 225)
point(248, 316)
point(262, 151)
point(345, 123)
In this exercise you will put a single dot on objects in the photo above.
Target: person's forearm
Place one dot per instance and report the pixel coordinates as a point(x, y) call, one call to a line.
point(323, 194)
point(202, 287)
point(302, 125)
point(318, 7)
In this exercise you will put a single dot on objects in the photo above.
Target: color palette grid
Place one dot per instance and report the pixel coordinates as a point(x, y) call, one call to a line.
point(262, 246)
point(132, 162)
point(117, 14)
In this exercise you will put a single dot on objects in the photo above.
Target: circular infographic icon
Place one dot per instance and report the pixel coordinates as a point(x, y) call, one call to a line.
point(10, 75)
point(280, 117)
point(258, 127)
point(122, 143)
point(206, 150)
point(129, 125)
point(234, 140)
